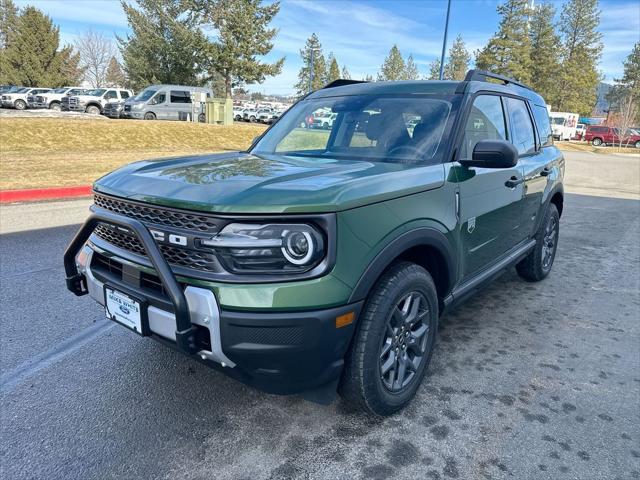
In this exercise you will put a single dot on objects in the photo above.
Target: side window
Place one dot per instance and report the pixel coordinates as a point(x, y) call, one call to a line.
point(180, 96)
point(521, 127)
point(111, 94)
point(124, 94)
point(158, 99)
point(485, 122)
point(544, 127)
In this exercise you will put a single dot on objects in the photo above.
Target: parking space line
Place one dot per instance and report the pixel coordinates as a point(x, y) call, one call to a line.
point(38, 362)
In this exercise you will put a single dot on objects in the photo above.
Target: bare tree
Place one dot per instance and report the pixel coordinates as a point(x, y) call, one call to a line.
point(96, 51)
point(624, 118)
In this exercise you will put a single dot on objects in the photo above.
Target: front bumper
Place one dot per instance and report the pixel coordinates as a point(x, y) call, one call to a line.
point(278, 352)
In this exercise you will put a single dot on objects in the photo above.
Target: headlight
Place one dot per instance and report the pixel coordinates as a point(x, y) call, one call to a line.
point(8, 97)
point(277, 248)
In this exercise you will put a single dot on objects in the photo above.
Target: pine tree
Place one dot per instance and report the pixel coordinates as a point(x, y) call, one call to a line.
point(71, 71)
point(166, 44)
point(627, 88)
point(345, 73)
point(243, 35)
point(508, 51)
point(32, 57)
point(369, 78)
point(545, 59)
point(312, 47)
point(333, 72)
point(8, 22)
point(410, 70)
point(393, 67)
point(581, 52)
point(458, 62)
point(114, 76)
point(434, 70)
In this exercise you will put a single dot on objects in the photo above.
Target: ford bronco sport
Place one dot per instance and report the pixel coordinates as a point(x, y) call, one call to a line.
point(322, 259)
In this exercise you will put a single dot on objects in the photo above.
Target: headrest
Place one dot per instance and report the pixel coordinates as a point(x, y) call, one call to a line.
point(375, 127)
point(421, 131)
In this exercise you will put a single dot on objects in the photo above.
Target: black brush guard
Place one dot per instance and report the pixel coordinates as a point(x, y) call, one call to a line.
point(77, 283)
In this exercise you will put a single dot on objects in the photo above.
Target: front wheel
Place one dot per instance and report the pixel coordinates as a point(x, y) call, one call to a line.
point(202, 118)
point(537, 265)
point(20, 105)
point(93, 110)
point(394, 342)
point(55, 106)
point(149, 116)
point(637, 144)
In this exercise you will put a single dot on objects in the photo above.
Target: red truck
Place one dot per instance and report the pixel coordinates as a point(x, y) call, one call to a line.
point(599, 135)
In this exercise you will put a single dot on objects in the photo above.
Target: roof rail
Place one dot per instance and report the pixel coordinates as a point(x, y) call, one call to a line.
point(482, 76)
point(342, 81)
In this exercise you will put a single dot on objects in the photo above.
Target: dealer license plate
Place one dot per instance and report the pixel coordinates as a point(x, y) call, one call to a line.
point(123, 309)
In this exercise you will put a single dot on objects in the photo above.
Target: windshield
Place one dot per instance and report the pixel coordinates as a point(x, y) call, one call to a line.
point(392, 129)
point(98, 92)
point(59, 90)
point(145, 95)
point(557, 120)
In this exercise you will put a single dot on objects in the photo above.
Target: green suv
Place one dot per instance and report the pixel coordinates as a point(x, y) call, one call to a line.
point(321, 259)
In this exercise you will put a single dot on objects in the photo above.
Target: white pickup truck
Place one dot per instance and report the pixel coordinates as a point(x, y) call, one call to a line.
point(18, 98)
point(94, 101)
point(53, 98)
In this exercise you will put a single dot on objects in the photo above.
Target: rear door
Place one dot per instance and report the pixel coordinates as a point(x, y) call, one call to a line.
point(540, 163)
point(179, 104)
point(489, 211)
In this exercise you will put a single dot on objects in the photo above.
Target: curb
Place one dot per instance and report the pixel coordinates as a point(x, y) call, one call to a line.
point(35, 194)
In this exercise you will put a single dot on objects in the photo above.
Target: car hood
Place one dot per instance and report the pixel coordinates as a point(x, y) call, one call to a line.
point(245, 183)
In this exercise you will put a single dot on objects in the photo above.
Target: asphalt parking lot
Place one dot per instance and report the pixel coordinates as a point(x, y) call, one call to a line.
point(529, 381)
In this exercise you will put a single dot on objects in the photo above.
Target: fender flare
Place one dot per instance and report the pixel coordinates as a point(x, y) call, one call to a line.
point(423, 236)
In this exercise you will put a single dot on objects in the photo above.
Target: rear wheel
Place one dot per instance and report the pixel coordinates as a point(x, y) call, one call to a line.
point(394, 342)
point(149, 116)
point(20, 105)
point(637, 144)
point(537, 265)
point(596, 142)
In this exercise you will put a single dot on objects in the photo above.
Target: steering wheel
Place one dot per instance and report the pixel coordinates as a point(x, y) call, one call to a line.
point(408, 151)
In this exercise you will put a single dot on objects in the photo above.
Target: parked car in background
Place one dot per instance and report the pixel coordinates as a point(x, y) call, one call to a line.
point(18, 99)
point(602, 135)
point(165, 102)
point(117, 110)
point(581, 129)
point(94, 101)
point(238, 114)
point(324, 121)
point(250, 114)
point(264, 115)
point(563, 125)
point(52, 98)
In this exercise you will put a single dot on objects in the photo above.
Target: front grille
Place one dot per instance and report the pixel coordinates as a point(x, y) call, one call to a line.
point(265, 335)
point(127, 108)
point(159, 216)
point(197, 260)
point(39, 99)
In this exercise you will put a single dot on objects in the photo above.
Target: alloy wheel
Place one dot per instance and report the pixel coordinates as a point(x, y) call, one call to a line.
point(404, 344)
point(549, 243)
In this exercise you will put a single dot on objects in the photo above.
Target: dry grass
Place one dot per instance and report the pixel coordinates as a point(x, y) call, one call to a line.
point(51, 152)
point(587, 147)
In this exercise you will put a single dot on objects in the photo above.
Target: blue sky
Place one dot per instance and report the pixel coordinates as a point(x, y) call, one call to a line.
point(360, 33)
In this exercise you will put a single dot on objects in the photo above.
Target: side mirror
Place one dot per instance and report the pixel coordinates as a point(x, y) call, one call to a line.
point(493, 154)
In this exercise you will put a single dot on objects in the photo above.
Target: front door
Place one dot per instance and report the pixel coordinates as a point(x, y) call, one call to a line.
point(490, 210)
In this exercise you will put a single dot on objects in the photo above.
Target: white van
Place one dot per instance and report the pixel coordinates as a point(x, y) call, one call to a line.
point(563, 125)
point(166, 102)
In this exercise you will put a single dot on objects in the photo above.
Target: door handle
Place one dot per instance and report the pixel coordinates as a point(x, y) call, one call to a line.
point(545, 172)
point(513, 182)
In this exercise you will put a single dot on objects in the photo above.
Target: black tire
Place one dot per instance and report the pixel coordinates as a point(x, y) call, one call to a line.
point(363, 383)
point(252, 119)
point(20, 104)
point(537, 265)
point(93, 110)
point(149, 116)
point(202, 118)
point(55, 106)
point(596, 142)
point(637, 144)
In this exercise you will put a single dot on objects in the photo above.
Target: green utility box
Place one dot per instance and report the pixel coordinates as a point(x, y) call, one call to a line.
point(219, 111)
